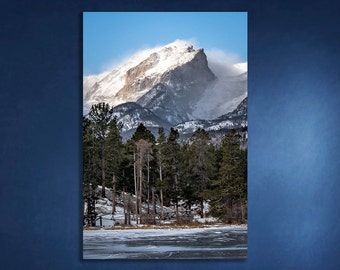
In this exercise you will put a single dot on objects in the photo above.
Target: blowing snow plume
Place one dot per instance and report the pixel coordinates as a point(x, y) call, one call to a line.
point(229, 89)
point(175, 81)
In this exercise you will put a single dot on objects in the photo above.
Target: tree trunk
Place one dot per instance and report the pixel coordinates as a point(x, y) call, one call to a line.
point(148, 184)
point(231, 211)
point(135, 180)
point(113, 195)
point(243, 212)
point(127, 207)
point(202, 208)
point(103, 169)
point(125, 203)
point(84, 201)
point(161, 191)
point(176, 185)
point(140, 189)
point(153, 200)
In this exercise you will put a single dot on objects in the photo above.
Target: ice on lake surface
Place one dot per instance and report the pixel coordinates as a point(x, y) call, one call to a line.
point(229, 242)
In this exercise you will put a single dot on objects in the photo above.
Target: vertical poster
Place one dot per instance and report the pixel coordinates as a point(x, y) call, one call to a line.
point(164, 135)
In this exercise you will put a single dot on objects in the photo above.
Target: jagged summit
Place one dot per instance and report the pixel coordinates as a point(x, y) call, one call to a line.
point(140, 73)
point(169, 85)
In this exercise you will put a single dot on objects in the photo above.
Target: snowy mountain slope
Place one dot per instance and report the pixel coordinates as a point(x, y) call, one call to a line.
point(138, 74)
point(131, 114)
point(178, 66)
point(224, 95)
point(237, 119)
point(180, 89)
point(169, 85)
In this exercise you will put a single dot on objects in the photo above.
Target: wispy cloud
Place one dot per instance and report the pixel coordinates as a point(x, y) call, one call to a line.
point(135, 57)
point(222, 63)
point(220, 98)
point(227, 92)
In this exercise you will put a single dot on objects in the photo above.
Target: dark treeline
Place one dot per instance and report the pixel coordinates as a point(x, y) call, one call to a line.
point(151, 171)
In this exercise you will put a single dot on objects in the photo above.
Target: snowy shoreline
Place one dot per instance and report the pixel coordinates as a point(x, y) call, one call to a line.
point(166, 227)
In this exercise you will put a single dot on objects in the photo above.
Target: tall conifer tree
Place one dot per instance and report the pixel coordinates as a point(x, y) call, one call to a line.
point(230, 186)
point(101, 115)
point(201, 164)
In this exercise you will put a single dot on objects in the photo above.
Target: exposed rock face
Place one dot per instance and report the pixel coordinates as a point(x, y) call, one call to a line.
point(194, 71)
point(179, 90)
point(171, 86)
point(171, 93)
point(136, 80)
point(177, 65)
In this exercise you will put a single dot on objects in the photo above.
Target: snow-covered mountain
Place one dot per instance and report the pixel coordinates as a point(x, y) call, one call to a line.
point(131, 114)
point(217, 128)
point(170, 64)
point(236, 119)
point(167, 86)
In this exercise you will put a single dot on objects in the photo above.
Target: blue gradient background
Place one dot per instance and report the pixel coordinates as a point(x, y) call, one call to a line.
point(294, 103)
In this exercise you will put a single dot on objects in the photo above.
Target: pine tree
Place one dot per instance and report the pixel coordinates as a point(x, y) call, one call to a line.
point(101, 115)
point(91, 172)
point(201, 165)
point(160, 149)
point(135, 155)
point(171, 166)
point(143, 133)
point(114, 156)
point(144, 151)
point(102, 145)
point(231, 184)
point(188, 183)
point(90, 153)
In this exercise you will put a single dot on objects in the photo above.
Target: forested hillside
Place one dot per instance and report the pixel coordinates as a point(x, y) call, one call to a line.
point(155, 173)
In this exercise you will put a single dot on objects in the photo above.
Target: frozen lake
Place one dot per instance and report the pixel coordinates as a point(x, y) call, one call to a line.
point(229, 242)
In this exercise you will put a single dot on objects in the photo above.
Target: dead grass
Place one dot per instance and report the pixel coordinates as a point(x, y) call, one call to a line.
point(178, 225)
point(191, 225)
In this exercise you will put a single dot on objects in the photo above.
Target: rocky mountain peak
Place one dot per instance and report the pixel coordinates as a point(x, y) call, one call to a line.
point(172, 86)
point(143, 71)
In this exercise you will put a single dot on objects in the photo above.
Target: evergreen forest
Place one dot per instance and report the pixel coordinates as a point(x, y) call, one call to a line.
point(153, 173)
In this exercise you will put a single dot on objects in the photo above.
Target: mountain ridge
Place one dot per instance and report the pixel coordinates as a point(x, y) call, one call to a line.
point(168, 87)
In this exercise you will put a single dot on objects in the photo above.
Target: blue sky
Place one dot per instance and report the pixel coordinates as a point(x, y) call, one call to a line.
point(112, 36)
